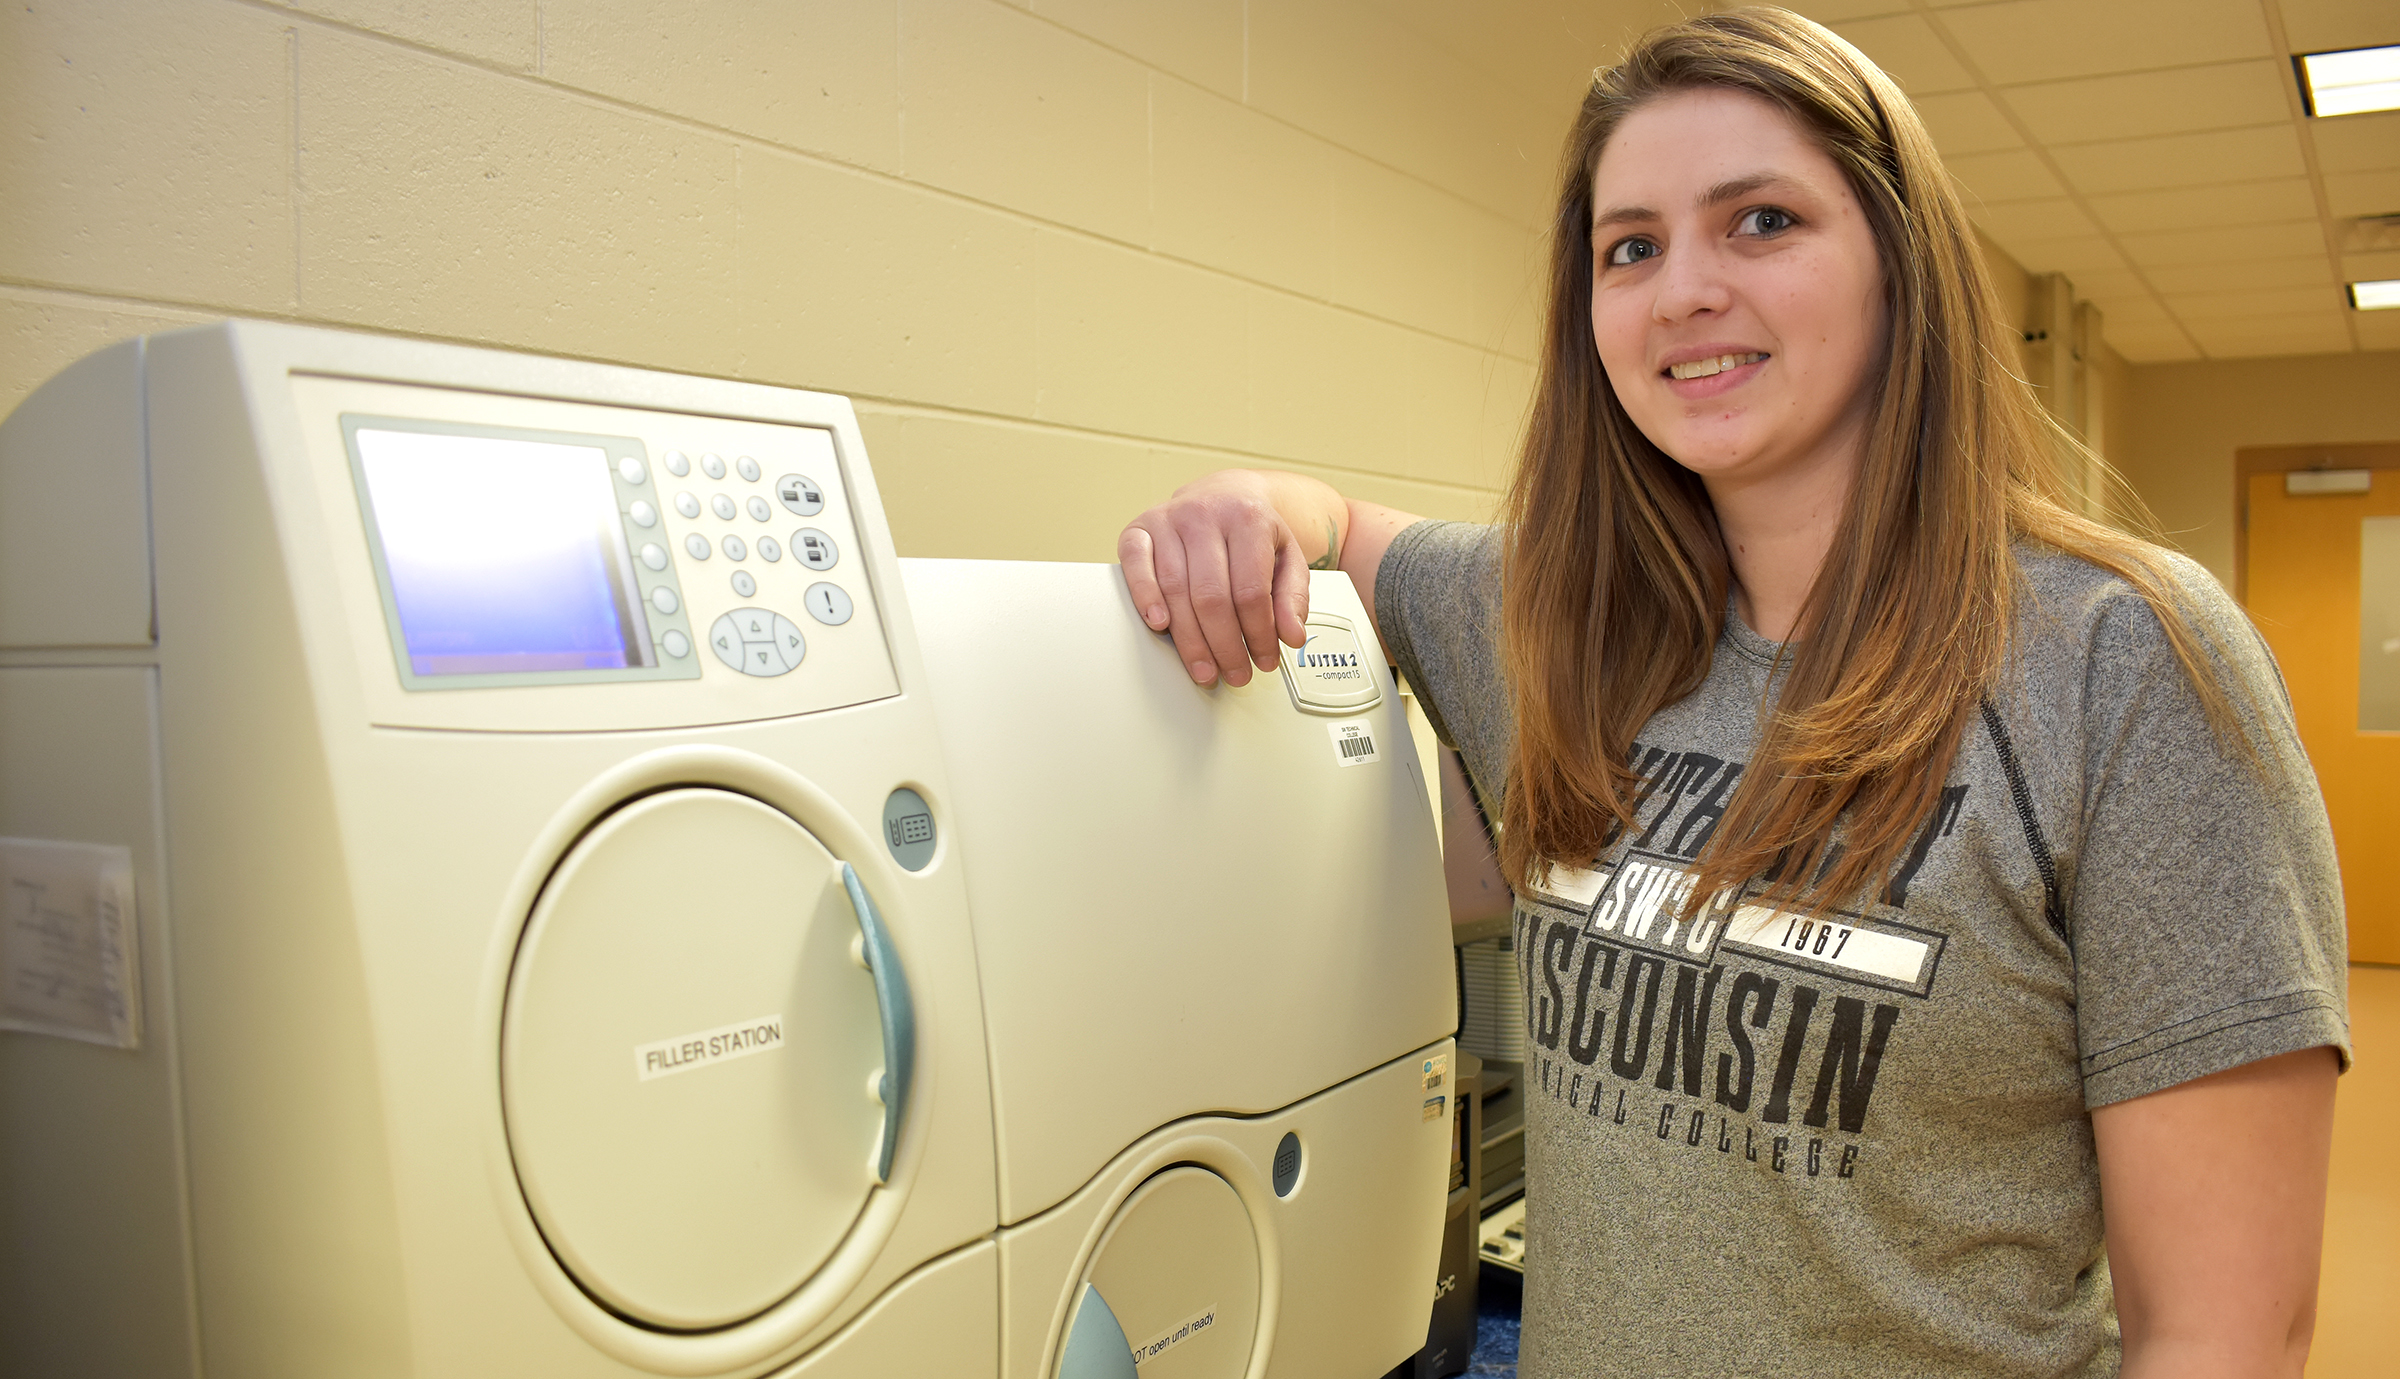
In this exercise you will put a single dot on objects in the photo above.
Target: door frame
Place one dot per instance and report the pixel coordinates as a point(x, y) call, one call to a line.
point(2283, 459)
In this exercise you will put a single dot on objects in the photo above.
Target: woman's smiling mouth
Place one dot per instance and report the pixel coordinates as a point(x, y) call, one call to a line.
point(1712, 366)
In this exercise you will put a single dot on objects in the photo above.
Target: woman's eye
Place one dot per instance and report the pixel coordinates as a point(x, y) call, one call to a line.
point(1627, 252)
point(1766, 220)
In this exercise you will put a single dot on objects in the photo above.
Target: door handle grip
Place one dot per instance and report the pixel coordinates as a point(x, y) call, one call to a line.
point(1096, 1346)
point(899, 1013)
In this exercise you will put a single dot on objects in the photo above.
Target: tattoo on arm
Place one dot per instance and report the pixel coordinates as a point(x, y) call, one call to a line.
point(1332, 559)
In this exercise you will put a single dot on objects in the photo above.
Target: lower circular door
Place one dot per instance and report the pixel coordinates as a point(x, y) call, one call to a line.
point(1177, 1274)
point(686, 1060)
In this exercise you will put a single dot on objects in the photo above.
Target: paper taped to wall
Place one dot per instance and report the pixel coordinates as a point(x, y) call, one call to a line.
point(67, 948)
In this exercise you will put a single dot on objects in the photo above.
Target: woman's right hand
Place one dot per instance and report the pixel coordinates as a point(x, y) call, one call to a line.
point(1222, 567)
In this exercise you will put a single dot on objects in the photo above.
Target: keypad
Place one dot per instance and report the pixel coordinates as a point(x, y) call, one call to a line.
point(734, 549)
point(744, 585)
point(800, 494)
point(713, 466)
point(723, 506)
point(828, 604)
point(758, 642)
point(758, 509)
point(747, 468)
point(696, 546)
point(687, 504)
point(769, 549)
point(814, 549)
point(678, 463)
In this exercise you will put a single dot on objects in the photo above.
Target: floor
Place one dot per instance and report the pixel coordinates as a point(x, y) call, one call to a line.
point(2358, 1297)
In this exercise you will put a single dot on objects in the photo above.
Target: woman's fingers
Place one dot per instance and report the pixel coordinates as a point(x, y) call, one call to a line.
point(1134, 559)
point(1217, 569)
point(1169, 563)
point(1254, 569)
point(1209, 579)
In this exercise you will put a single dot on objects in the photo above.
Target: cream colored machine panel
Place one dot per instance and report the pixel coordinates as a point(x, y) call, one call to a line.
point(1249, 879)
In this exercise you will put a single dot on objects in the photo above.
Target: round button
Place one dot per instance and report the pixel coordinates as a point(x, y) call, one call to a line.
point(828, 604)
point(654, 557)
point(759, 511)
point(789, 644)
point(663, 599)
point(769, 549)
point(687, 505)
point(734, 549)
point(801, 494)
point(723, 507)
point(675, 644)
point(814, 549)
point(725, 639)
point(747, 468)
point(678, 464)
point(630, 470)
point(743, 584)
point(696, 546)
point(712, 466)
point(643, 514)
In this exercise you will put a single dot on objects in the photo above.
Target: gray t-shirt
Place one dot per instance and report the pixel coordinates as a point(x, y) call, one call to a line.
point(1859, 1143)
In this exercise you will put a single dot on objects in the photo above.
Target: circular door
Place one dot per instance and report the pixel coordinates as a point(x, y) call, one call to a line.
point(686, 1060)
point(1177, 1273)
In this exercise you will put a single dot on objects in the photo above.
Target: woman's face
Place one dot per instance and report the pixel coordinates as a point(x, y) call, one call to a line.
point(1737, 298)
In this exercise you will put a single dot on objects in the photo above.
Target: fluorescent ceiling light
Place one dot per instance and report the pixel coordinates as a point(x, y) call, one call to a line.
point(2375, 296)
point(2347, 83)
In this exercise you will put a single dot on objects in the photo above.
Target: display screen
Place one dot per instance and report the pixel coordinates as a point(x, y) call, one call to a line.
point(504, 555)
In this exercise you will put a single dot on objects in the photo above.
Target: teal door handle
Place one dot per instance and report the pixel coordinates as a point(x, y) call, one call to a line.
point(1096, 1346)
point(899, 1017)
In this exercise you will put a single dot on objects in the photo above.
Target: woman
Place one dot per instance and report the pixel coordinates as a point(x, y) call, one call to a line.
point(1907, 867)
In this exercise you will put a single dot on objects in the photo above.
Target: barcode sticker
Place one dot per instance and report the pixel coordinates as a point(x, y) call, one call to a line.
point(1353, 744)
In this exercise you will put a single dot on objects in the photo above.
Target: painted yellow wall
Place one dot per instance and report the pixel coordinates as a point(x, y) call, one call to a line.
point(1063, 254)
point(2182, 423)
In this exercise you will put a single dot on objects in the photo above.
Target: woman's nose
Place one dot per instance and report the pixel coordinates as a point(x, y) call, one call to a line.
point(1690, 281)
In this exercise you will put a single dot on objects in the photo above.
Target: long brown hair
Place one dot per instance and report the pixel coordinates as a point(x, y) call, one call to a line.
point(1615, 580)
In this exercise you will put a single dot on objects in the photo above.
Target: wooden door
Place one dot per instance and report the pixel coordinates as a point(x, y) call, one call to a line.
point(2301, 584)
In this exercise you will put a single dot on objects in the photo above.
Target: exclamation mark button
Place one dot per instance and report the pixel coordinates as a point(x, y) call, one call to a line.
point(828, 604)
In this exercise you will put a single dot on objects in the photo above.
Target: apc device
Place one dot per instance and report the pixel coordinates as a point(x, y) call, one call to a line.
point(486, 825)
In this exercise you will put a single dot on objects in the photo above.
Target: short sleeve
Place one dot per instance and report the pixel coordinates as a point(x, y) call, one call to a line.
point(2204, 900)
point(1437, 606)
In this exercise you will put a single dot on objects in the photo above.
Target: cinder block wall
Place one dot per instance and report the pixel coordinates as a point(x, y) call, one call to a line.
point(1063, 253)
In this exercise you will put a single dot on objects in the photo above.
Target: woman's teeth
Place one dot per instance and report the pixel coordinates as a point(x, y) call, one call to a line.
point(1706, 368)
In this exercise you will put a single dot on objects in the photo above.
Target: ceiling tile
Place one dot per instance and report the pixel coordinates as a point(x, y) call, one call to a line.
point(2298, 240)
point(2011, 176)
point(2237, 274)
point(2183, 160)
point(1907, 47)
point(2130, 314)
point(2045, 40)
point(2155, 345)
point(2316, 26)
point(2080, 254)
point(2132, 105)
point(1836, 11)
point(2378, 330)
point(2114, 285)
point(2274, 301)
point(2370, 267)
point(2357, 143)
point(2364, 193)
point(2051, 218)
point(2323, 332)
point(1966, 122)
point(2188, 208)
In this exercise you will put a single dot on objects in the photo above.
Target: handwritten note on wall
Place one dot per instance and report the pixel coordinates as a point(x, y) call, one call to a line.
point(67, 949)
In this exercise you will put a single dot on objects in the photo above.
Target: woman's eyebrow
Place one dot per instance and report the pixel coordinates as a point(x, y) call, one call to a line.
point(1733, 189)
